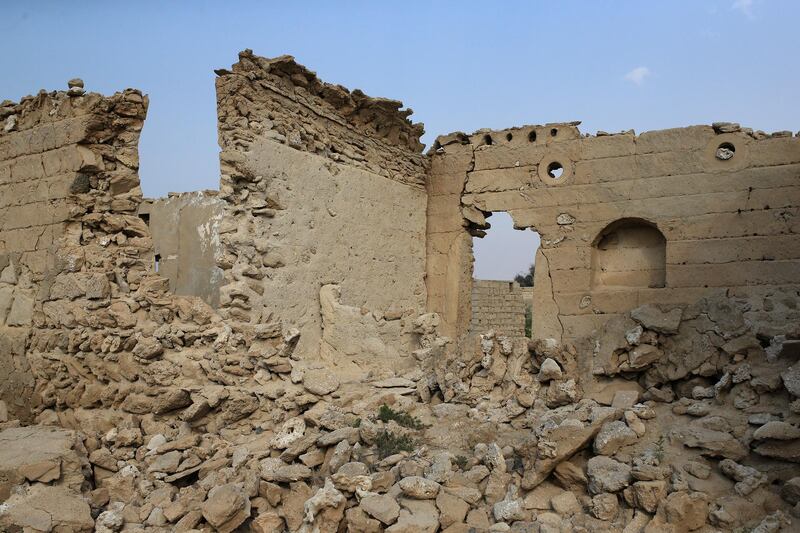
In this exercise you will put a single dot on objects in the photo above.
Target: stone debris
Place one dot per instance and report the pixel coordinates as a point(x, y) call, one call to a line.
point(135, 401)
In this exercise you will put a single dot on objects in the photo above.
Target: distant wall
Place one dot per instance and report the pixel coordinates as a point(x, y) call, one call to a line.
point(498, 306)
point(323, 186)
point(666, 217)
point(185, 230)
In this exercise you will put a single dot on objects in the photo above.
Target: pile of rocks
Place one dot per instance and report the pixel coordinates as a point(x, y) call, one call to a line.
point(497, 434)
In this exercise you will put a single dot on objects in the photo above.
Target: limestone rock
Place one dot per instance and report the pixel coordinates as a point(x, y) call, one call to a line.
point(419, 487)
point(607, 475)
point(40, 453)
point(747, 478)
point(605, 506)
point(777, 430)
point(509, 508)
point(566, 504)
point(227, 507)
point(325, 509)
point(267, 522)
point(712, 443)
point(416, 516)
point(561, 442)
point(646, 495)
point(46, 508)
point(613, 436)
point(382, 507)
point(651, 317)
point(790, 491)
point(791, 379)
point(687, 510)
point(320, 381)
point(549, 370)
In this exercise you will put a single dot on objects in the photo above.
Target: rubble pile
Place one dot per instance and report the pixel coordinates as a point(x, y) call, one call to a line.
point(685, 423)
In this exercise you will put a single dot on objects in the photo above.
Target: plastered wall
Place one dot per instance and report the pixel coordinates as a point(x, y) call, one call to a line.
point(665, 216)
point(186, 242)
point(323, 186)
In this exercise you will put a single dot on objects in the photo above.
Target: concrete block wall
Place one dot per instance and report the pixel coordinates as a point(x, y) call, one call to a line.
point(498, 306)
point(725, 198)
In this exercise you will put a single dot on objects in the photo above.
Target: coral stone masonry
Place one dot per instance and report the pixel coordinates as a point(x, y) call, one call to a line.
point(305, 349)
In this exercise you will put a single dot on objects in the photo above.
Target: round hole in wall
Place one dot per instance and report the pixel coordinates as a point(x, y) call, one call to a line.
point(555, 170)
point(725, 151)
point(487, 140)
point(509, 136)
point(532, 136)
point(554, 132)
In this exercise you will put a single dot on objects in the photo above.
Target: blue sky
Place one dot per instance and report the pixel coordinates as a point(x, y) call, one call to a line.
point(460, 65)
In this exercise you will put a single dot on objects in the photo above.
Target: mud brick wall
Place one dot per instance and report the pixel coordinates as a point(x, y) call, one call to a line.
point(498, 306)
point(665, 216)
point(324, 187)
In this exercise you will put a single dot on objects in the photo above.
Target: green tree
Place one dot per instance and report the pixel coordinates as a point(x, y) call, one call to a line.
point(525, 279)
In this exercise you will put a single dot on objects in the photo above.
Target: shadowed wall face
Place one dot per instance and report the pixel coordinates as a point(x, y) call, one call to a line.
point(629, 254)
point(186, 243)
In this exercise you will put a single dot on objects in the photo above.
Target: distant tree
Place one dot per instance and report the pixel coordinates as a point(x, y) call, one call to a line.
point(525, 279)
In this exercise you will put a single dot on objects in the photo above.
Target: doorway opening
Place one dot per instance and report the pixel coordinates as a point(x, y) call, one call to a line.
point(502, 278)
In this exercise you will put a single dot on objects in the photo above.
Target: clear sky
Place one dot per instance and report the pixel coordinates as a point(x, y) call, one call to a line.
point(614, 65)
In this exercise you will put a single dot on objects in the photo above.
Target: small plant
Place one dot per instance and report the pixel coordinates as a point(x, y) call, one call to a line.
point(357, 423)
point(386, 413)
point(461, 462)
point(389, 444)
point(660, 449)
point(528, 322)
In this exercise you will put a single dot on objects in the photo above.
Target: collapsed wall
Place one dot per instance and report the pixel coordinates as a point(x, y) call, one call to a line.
point(323, 187)
point(665, 216)
point(64, 156)
point(288, 380)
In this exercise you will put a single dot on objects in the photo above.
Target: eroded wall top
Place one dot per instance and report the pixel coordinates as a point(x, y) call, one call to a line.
point(665, 216)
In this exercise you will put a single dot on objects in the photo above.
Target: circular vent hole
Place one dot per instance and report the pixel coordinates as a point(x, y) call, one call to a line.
point(532, 136)
point(555, 170)
point(725, 151)
point(487, 140)
point(554, 132)
point(509, 136)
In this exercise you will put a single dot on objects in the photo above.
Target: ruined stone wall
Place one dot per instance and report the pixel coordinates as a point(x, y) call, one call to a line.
point(186, 243)
point(666, 216)
point(498, 306)
point(52, 148)
point(324, 187)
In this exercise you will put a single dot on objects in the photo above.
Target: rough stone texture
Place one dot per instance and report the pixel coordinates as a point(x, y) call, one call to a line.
point(633, 219)
point(283, 170)
point(293, 378)
point(43, 454)
point(499, 306)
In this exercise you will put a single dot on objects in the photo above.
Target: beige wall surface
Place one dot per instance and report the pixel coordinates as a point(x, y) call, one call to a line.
point(727, 222)
point(323, 187)
point(499, 306)
point(185, 230)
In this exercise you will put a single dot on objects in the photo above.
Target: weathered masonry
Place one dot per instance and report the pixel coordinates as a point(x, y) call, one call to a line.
point(664, 217)
point(305, 348)
point(332, 234)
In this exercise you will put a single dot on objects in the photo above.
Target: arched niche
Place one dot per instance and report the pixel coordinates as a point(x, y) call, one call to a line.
point(629, 252)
